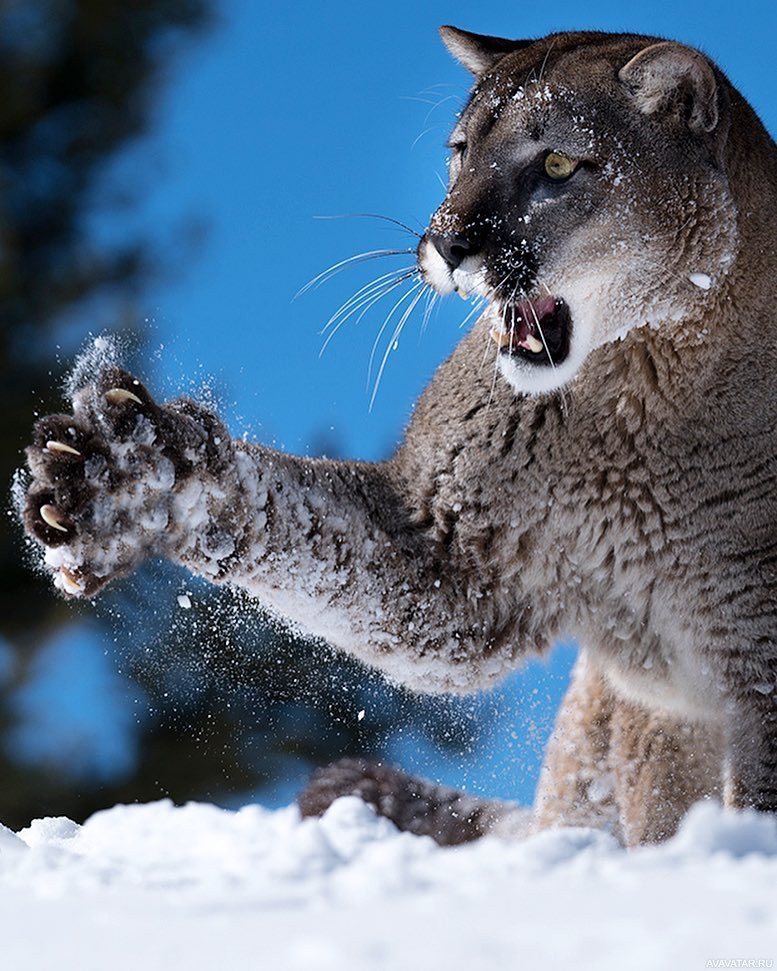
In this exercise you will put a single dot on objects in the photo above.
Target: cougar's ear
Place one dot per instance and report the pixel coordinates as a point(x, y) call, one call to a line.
point(670, 78)
point(478, 52)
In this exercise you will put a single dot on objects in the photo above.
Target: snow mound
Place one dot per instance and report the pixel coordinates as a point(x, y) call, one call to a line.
point(155, 886)
point(708, 829)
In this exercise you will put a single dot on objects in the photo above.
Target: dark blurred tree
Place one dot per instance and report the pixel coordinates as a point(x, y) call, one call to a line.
point(229, 701)
point(77, 85)
point(77, 81)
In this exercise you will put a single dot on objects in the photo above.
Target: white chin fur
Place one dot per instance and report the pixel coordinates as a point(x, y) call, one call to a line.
point(582, 299)
point(527, 378)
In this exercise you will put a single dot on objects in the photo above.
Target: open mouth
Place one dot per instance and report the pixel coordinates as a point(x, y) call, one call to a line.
point(536, 330)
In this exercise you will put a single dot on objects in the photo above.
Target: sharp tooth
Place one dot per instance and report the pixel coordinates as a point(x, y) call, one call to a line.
point(69, 583)
point(533, 344)
point(119, 395)
point(50, 516)
point(463, 294)
point(61, 447)
point(500, 337)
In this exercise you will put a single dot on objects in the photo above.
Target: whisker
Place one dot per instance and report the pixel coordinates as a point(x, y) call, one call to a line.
point(367, 290)
point(493, 379)
point(496, 294)
point(545, 62)
point(511, 307)
point(477, 306)
point(385, 323)
point(505, 306)
point(372, 215)
point(505, 280)
point(429, 89)
point(548, 354)
point(438, 104)
point(367, 305)
point(410, 97)
point(364, 305)
point(542, 336)
point(431, 297)
point(358, 258)
point(435, 104)
point(409, 276)
point(426, 131)
point(394, 338)
point(486, 349)
point(434, 307)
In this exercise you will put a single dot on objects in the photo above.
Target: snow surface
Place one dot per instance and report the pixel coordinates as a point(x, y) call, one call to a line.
point(156, 886)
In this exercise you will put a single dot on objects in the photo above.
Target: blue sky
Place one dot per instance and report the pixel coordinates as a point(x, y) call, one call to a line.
point(289, 112)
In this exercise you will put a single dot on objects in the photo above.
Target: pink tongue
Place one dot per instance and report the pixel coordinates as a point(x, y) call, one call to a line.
point(534, 310)
point(529, 312)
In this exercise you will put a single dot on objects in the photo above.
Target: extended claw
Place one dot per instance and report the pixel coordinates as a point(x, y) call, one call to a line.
point(61, 447)
point(118, 395)
point(69, 582)
point(50, 516)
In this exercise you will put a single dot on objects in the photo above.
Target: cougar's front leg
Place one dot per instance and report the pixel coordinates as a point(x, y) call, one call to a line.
point(613, 763)
point(577, 785)
point(661, 766)
point(330, 545)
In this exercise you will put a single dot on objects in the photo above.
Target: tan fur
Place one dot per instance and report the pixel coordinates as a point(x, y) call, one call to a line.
point(613, 764)
point(577, 782)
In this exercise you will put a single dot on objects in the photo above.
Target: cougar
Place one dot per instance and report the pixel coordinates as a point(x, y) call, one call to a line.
point(612, 478)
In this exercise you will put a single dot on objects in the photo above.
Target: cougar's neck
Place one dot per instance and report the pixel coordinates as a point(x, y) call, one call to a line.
point(719, 362)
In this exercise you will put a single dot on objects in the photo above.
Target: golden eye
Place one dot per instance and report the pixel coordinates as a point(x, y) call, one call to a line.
point(559, 166)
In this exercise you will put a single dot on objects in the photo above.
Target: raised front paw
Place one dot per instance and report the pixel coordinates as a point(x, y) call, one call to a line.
point(118, 480)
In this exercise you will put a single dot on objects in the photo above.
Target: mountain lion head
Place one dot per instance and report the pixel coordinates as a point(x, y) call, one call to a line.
point(587, 194)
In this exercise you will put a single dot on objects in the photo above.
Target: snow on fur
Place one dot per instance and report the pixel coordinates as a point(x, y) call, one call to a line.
point(155, 886)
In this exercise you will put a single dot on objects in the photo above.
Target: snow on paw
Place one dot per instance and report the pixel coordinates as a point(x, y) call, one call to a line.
point(101, 483)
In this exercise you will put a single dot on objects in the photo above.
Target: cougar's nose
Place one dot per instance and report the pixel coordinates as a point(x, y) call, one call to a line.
point(452, 247)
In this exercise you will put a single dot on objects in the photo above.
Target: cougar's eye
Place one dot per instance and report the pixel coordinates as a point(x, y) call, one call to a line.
point(559, 166)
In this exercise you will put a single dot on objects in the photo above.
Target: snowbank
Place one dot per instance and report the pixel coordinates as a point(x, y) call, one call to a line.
point(198, 887)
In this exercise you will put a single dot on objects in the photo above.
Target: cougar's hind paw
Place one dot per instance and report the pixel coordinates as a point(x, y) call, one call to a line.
point(414, 805)
point(346, 777)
